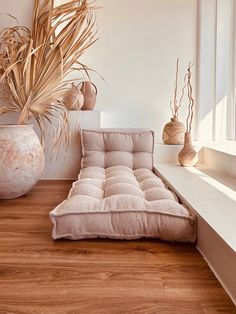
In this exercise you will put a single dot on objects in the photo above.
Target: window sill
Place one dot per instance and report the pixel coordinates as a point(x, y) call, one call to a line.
point(228, 147)
point(214, 201)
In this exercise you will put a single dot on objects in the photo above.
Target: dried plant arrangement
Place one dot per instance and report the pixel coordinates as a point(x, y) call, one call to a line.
point(35, 64)
point(175, 103)
point(189, 119)
point(188, 156)
point(173, 132)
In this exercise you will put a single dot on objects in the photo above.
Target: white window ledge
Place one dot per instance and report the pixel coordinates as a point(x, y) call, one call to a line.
point(219, 157)
point(214, 201)
point(228, 147)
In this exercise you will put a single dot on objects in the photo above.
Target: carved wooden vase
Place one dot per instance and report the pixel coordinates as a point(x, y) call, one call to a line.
point(89, 90)
point(73, 99)
point(188, 156)
point(173, 132)
point(21, 160)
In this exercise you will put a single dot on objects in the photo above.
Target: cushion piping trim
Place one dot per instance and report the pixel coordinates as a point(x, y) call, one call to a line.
point(189, 217)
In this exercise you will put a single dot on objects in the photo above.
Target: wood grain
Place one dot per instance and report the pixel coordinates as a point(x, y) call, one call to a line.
point(173, 132)
point(39, 275)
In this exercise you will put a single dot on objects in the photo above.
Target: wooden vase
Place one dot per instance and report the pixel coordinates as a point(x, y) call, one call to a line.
point(73, 99)
point(173, 132)
point(89, 90)
point(188, 157)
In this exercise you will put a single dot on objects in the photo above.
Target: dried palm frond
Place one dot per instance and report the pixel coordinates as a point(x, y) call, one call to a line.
point(34, 65)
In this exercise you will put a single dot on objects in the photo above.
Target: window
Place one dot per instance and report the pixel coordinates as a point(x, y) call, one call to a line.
point(216, 77)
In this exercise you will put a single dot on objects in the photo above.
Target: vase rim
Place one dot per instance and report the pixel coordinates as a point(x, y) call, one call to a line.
point(15, 125)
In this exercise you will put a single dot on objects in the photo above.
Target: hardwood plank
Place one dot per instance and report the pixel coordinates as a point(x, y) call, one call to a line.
point(39, 275)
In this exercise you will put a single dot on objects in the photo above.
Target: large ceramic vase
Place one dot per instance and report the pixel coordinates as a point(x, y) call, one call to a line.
point(188, 156)
point(173, 132)
point(21, 160)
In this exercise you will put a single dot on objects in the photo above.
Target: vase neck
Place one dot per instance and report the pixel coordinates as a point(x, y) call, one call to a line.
point(174, 119)
point(188, 139)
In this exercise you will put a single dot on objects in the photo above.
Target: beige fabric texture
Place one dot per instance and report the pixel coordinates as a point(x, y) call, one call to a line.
point(112, 147)
point(121, 203)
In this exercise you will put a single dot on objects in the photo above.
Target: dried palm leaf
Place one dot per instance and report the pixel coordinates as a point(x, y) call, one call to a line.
point(34, 65)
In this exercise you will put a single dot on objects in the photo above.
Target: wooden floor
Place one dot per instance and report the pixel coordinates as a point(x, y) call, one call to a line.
point(39, 275)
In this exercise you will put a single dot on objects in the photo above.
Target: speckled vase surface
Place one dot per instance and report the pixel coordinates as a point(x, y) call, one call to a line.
point(21, 160)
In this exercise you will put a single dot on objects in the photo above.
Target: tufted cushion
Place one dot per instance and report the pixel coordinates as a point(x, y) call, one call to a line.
point(118, 202)
point(112, 147)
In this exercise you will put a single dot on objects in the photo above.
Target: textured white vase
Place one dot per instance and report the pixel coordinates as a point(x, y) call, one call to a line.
point(21, 160)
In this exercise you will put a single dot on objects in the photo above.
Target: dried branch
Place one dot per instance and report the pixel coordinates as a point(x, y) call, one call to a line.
point(175, 104)
point(189, 119)
point(176, 87)
point(182, 93)
point(171, 108)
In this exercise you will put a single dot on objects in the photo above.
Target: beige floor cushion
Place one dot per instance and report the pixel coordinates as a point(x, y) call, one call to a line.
point(118, 196)
point(120, 203)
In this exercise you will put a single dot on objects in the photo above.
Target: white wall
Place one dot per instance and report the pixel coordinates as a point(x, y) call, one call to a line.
point(136, 55)
point(22, 10)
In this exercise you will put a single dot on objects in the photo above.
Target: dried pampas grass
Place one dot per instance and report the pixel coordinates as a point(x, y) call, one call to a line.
point(35, 64)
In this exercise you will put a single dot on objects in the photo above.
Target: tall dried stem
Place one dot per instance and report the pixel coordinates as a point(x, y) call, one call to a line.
point(175, 103)
point(189, 119)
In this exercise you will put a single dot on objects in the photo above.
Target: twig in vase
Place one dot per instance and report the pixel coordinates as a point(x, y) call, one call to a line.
point(175, 104)
point(176, 88)
point(189, 119)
